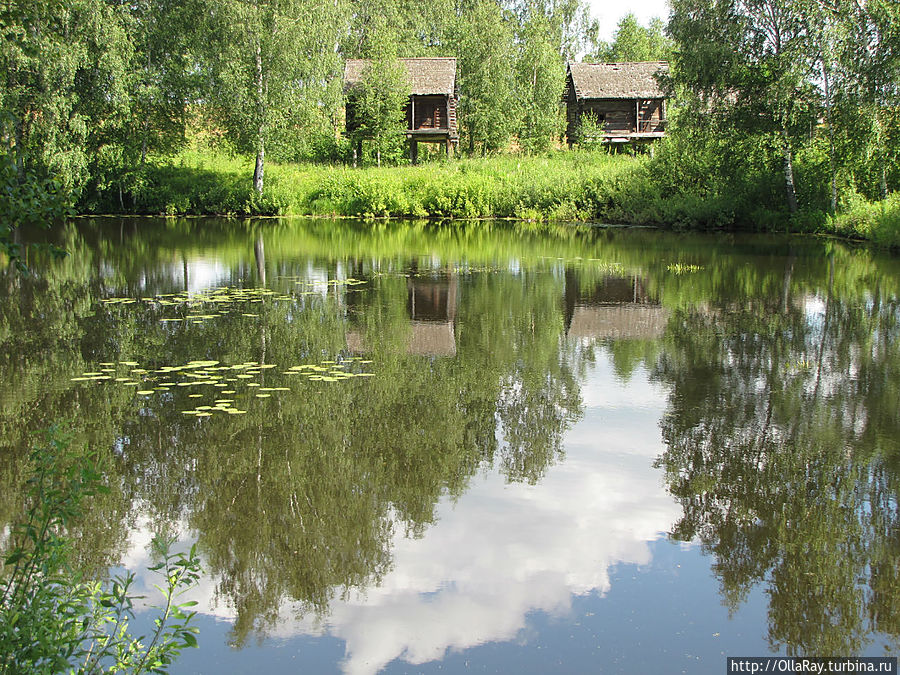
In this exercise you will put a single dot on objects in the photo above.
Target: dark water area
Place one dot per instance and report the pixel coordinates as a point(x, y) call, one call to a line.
point(413, 448)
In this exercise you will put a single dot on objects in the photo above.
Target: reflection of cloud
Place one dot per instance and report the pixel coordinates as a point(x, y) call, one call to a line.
point(505, 550)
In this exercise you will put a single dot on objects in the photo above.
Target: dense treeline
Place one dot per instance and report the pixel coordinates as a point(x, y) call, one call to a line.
point(96, 89)
point(785, 112)
point(787, 105)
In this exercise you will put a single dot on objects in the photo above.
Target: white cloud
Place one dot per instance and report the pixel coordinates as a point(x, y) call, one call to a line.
point(506, 550)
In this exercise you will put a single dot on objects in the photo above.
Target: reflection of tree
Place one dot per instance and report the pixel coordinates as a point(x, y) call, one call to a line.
point(540, 397)
point(297, 500)
point(782, 449)
point(781, 431)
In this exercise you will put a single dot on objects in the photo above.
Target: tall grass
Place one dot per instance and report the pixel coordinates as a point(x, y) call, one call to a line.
point(875, 221)
point(560, 186)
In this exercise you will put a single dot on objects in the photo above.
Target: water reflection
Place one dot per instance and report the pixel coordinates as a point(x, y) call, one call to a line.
point(505, 550)
point(782, 446)
point(507, 452)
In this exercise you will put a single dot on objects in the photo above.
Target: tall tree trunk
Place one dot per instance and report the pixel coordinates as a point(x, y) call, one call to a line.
point(145, 127)
point(260, 136)
point(260, 163)
point(829, 116)
point(790, 191)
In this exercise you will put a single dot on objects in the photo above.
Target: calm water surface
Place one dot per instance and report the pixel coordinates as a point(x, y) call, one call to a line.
point(411, 448)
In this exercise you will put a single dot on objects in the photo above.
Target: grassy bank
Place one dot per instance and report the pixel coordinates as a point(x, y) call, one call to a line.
point(878, 222)
point(563, 186)
point(566, 186)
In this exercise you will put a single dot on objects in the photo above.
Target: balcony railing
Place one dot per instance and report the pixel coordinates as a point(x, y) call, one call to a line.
point(650, 126)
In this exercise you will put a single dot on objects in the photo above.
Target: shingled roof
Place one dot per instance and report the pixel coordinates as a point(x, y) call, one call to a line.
point(426, 75)
point(618, 80)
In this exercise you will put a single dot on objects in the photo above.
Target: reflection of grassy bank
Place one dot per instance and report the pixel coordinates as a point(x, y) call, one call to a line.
point(565, 186)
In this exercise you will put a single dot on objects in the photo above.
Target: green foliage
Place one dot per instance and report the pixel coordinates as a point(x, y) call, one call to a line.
point(53, 620)
point(788, 108)
point(634, 42)
point(380, 100)
point(784, 115)
point(64, 67)
point(482, 39)
point(589, 134)
point(540, 77)
point(273, 70)
point(876, 221)
point(24, 201)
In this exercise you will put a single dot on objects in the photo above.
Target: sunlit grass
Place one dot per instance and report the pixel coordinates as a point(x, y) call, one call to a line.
point(560, 186)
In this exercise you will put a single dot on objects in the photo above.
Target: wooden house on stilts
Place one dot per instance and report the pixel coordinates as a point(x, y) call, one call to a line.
point(627, 100)
point(433, 98)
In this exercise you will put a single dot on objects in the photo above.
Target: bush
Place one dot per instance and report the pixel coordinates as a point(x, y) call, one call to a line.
point(51, 619)
point(28, 200)
point(878, 221)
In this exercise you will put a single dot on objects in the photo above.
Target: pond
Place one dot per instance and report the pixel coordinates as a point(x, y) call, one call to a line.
point(406, 447)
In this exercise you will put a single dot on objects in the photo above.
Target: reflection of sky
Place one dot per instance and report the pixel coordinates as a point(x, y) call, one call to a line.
point(504, 551)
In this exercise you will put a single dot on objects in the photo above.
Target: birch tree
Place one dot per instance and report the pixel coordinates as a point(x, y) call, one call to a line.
point(540, 77)
point(482, 39)
point(748, 63)
point(266, 59)
point(380, 100)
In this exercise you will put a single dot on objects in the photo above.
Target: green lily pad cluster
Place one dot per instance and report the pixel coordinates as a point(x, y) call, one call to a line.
point(329, 371)
point(215, 302)
point(216, 385)
point(222, 300)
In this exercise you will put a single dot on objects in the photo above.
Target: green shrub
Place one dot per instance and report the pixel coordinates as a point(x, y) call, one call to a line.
point(51, 619)
point(27, 200)
point(877, 221)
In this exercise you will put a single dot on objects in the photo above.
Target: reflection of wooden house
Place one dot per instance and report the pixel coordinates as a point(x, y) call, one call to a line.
point(425, 338)
point(617, 308)
point(618, 322)
point(431, 303)
point(433, 97)
point(432, 298)
point(627, 99)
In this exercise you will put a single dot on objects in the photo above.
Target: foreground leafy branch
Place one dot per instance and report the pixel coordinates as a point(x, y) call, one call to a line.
point(52, 619)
